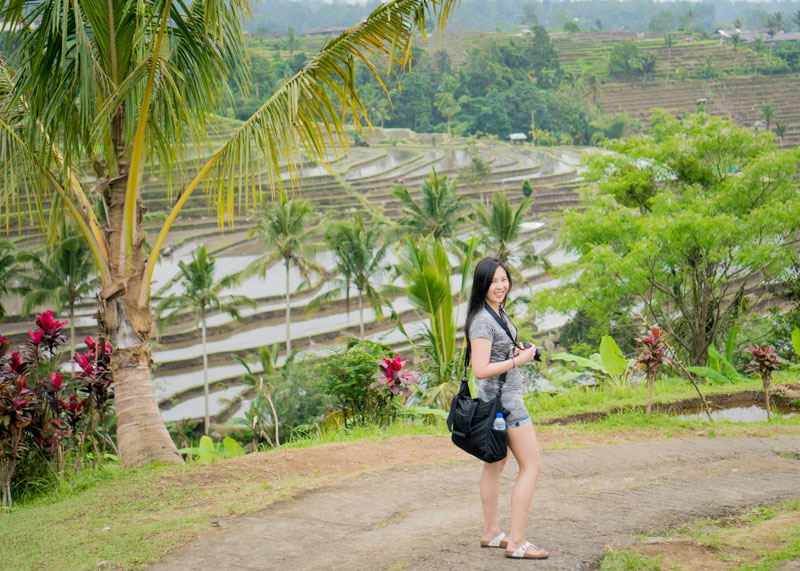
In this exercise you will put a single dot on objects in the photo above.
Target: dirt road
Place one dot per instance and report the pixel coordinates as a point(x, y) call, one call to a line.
point(429, 517)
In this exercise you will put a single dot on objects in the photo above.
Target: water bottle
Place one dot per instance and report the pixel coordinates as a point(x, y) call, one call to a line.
point(499, 422)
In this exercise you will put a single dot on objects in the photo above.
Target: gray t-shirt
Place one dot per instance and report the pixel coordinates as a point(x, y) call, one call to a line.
point(485, 326)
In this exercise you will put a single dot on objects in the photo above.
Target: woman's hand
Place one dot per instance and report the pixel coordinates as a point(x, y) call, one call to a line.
point(525, 355)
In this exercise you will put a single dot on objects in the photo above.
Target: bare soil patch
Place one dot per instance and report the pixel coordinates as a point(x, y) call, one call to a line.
point(413, 502)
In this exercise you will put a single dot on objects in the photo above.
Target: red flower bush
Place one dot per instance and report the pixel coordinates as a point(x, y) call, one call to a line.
point(393, 379)
point(763, 362)
point(652, 354)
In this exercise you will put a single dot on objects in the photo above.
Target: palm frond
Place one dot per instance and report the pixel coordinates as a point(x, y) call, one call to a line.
point(302, 114)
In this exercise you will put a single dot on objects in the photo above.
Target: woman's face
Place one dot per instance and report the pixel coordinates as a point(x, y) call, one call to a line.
point(499, 287)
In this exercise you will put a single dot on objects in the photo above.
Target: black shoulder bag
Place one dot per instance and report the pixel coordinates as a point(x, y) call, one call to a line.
point(470, 420)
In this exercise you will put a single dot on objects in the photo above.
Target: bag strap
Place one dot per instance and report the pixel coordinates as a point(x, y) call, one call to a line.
point(500, 321)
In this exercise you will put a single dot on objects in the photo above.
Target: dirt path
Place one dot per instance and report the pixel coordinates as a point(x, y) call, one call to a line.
point(428, 516)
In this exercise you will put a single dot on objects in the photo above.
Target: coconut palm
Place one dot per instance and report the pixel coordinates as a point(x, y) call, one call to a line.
point(202, 294)
point(446, 102)
point(360, 253)
point(62, 277)
point(767, 113)
point(439, 211)
point(758, 47)
point(669, 41)
point(502, 223)
point(115, 85)
point(287, 226)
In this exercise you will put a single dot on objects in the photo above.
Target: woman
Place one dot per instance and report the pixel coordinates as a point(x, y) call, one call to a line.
point(493, 353)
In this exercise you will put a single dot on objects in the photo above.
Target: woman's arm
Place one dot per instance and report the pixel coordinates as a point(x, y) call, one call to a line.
point(481, 351)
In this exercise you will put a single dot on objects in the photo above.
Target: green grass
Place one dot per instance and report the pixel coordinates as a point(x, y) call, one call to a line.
point(371, 432)
point(760, 538)
point(606, 397)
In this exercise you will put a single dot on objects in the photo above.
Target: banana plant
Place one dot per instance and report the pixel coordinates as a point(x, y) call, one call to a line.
point(609, 363)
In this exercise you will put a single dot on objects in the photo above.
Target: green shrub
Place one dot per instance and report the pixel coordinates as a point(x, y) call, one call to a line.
point(527, 188)
point(347, 376)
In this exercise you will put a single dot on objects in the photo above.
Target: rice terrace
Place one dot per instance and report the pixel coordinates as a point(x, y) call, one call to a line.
point(240, 251)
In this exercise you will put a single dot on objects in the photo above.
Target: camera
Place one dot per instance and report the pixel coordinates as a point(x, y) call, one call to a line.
point(537, 356)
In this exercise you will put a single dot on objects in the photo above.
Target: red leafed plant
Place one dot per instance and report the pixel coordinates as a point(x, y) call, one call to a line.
point(652, 354)
point(763, 362)
point(47, 415)
point(394, 381)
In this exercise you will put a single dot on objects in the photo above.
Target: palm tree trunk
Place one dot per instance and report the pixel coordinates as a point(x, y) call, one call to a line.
point(361, 314)
point(288, 312)
point(141, 435)
point(72, 335)
point(205, 372)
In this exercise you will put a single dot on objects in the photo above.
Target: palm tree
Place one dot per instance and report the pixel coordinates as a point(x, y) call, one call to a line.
point(62, 276)
point(201, 295)
point(115, 85)
point(780, 130)
point(669, 41)
point(737, 24)
point(286, 226)
point(767, 113)
point(446, 102)
point(9, 271)
point(736, 39)
point(359, 253)
point(502, 223)
point(439, 212)
point(796, 19)
point(758, 47)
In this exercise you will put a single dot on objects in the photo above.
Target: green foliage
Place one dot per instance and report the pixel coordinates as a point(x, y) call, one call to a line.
point(208, 451)
point(502, 224)
point(527, 188)
point(675, 223)
point(609, 363)
point(719, 370)
point(629, 561)
point(346, 376)
point(623, 59)
point(439, 211)
point(9, 271)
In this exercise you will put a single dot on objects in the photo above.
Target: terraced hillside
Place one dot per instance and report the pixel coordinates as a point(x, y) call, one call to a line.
point(365, 174)
point(741, 98)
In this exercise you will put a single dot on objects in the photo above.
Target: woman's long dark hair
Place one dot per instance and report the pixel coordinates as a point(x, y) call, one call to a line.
point(481, 280)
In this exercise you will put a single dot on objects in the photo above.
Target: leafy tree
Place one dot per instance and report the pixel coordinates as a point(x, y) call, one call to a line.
point(202, 294)
point(527, 188)
point(124, 82)
point(288, 227)
point(360, 253)
point(721, 209)
point(796, 19)
point(439, 211)
point(663, 21)
point(623, 59)
point(647, 65)
point(571, 27)
point(62, 277)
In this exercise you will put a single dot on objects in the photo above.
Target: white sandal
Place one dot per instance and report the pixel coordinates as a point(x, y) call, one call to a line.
point(499, 541)
point(522, 552)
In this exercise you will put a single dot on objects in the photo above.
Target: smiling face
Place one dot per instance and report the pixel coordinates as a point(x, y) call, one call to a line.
point(498, 290)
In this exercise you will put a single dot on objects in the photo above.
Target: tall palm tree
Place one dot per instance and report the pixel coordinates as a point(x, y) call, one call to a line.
point(439, 211)
point(445, 100)
point(62, 276)
point(360, 254)
point(201, 295)
point(287, 226)
point(115, 85)
point(502, 223)
point(9, 271)
point(767, 113)
point(669, 41)
point(758, 47)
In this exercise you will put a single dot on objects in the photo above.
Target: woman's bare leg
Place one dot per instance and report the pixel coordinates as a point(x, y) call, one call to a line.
point(523, 443)
point(490, 490)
